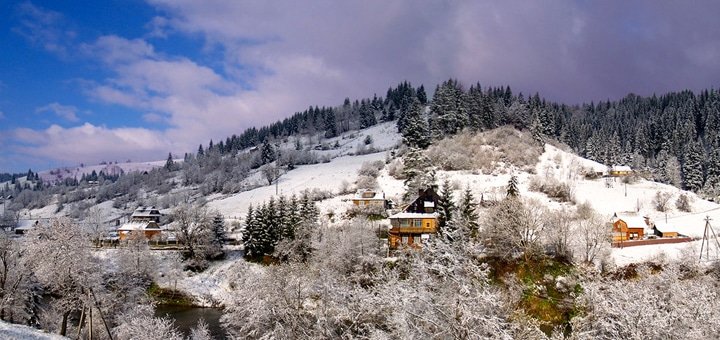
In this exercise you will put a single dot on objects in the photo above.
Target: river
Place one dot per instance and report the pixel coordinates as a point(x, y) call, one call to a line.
point(186, 318)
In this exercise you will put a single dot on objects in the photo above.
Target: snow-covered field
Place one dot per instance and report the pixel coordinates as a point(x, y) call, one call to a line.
point(9, 331)
point(324, 176)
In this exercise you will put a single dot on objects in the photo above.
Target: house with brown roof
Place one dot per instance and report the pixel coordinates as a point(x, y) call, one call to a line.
point(416, 223)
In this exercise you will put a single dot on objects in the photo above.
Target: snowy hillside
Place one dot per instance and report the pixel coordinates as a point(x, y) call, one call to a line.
point(59, 174)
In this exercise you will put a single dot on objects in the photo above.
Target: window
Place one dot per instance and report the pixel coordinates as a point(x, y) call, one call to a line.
point(416, 240)
point(418, 223)
point(404, 223)
point(404, 239)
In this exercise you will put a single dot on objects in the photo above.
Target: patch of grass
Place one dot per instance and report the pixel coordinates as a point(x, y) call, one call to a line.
point(541, 298)
point(168, 296)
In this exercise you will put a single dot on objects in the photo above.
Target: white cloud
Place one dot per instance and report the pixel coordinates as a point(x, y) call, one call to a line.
point(67, 112)
point(44, 28)
point(90, 143)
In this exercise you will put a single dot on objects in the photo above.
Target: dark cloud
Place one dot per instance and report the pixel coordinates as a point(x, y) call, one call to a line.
point(279, 57)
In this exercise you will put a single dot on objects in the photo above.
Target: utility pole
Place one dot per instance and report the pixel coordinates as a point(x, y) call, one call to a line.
point(706, 240)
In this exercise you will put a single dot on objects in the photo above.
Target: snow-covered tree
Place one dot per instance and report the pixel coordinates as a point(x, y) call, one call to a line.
point(692, 171)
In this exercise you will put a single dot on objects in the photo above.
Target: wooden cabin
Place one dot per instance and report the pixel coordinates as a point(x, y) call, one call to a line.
point(625, 228)
point(143, 214)
point(143, 219)
point(149, 230)
point(416, 223)
point(369, 198)
point(665, 230)
point(620, 171)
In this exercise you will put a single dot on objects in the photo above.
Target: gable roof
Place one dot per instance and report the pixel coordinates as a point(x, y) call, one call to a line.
point(134, 226)
point(369, 195)
point(620, 168)
point(633, 221)
point(146, 212)
point(419, 204)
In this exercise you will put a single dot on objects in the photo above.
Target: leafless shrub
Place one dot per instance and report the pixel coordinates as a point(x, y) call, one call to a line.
point(684, 203)
point(371, 169)
point(486, 151)
point(661, 201)
point(396, 169)
point(553, 188)
point(366, 182)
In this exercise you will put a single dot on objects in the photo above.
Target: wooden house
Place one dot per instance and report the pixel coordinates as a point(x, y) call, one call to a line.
point(620, 171)
point(369, 198)
point(145, 220)
point(665, 230)
point(149, 229)
point(626, 228)
point(416, 223)
point(143, 214)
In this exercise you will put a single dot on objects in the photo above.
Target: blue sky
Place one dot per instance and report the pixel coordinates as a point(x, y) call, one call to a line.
point(118, 80)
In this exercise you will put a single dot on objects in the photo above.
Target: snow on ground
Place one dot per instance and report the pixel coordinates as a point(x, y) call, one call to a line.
point(60, 174)
point(12, 331)
point(610, 196)
point(212, 287)
point(324, 176)
point(656, 252)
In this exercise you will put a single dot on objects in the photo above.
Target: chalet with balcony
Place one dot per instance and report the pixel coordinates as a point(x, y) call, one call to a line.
point(142, 214)
point(416, 223)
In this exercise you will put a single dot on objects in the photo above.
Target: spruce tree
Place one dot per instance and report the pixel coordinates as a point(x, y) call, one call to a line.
point(468, 213)
point(446, 209)
point(692, 172)
point(267, 153)
point(218, 230)
point(448, 109)
point(415, 130)
point(512, 187)
point(170, 164)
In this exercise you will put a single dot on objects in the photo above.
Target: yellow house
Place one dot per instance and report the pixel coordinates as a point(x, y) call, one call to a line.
point(411, 229)
point(372, 198)
point(416, 223)
point(620, 171)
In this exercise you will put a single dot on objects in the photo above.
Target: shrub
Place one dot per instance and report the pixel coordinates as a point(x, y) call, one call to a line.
point(553, 188)
point(486, 151)
point(371, 169)
point(661, 201)
point(684, 203)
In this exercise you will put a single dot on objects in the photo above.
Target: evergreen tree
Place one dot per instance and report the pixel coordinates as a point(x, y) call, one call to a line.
point(218, 230)
point(330, 124)
point(421, 95)
point(468, 214)
point(417, 171)
point(446, 209)
point(512, 187)
point(692, 172)
point(267, 153)
point(448, 111)
point(415, 131)
point(170, 164)
point(200, 152)
point(712, 182)
point(308, 209)
point(253, 236)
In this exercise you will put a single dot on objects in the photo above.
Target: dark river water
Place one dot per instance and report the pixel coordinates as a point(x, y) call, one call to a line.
point(187, 318)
